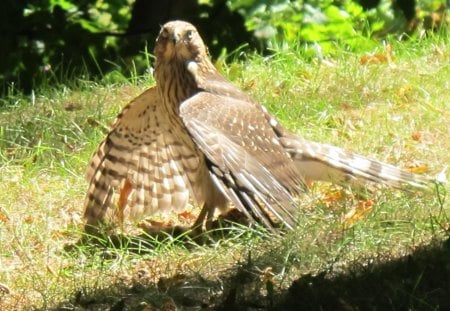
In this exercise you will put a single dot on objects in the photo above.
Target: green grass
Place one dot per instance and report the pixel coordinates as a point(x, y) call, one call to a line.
point(395, 256)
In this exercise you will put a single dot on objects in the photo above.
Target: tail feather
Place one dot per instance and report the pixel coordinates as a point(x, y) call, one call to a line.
point(322, 162)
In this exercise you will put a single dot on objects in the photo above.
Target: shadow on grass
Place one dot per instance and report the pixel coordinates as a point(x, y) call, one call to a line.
point(418, 281)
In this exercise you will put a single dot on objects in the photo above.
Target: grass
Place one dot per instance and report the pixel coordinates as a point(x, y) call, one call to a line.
point(387, 250)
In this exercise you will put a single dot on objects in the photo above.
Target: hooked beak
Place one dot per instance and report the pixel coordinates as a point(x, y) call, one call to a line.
point(176, 37)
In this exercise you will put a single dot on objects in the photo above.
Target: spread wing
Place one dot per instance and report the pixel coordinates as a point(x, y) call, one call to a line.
point(147, 164)
point(245, 159)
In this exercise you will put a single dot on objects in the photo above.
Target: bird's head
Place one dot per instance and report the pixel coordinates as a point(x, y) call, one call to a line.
point(180, 41)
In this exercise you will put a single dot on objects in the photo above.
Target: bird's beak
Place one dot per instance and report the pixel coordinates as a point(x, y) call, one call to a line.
point(176, 37)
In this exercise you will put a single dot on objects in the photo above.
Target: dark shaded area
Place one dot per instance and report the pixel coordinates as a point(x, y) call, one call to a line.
point(406, 7)
point(49, 41)
point(47, 45)
point(52, 42)
point(44, 42)
point(418, 281)
point(369, 4)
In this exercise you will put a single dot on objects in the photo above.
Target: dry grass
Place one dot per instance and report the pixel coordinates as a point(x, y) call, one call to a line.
point(385, 258)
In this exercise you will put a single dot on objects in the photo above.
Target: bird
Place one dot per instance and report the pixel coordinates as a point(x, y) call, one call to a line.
point(196, 138)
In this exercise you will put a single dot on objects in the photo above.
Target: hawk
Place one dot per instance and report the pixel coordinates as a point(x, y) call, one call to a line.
point(196, 138)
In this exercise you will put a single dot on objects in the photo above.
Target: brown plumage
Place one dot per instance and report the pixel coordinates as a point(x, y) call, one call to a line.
point(195, 137)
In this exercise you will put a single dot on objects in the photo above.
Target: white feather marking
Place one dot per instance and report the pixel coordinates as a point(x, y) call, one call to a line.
point(273, 122)
point(192, 67)
point(179, 181)
point(360, 163)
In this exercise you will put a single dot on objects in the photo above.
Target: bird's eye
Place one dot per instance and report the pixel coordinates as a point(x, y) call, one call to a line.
point(164, 34)
point(189, 34)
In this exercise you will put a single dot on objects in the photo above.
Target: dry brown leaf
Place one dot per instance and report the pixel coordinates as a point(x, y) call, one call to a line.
point(373, 59)
point(377, 58)
point(4, 218)
point(416, 136)
point(186, 216)
point(419, 169)
point(332, 197)
point(360, 211)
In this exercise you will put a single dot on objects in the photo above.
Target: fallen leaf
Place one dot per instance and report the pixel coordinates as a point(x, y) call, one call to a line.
point(186, 216)
point(416, 136)
point(365, 204)
point(373, 59)
point(360, 211)
point(419, 169)
point(378, 58)
point(4, 218)
point(332, 197)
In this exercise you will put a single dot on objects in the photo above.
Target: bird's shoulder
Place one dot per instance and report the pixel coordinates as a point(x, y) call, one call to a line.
point(139, 109)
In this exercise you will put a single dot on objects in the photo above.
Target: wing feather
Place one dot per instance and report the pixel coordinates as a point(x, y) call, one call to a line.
point(257, 179)
point(149, 152)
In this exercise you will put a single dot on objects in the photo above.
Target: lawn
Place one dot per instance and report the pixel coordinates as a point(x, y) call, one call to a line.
point(362, 249)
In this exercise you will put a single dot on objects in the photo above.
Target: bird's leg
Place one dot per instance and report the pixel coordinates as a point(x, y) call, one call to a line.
point(198, 224)
point(209, 218)
point(215, 199)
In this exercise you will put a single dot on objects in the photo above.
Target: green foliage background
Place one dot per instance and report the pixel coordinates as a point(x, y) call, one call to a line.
point(47, 40)
point(50, 41)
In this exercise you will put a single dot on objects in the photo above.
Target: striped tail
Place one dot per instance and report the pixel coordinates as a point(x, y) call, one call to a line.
point(322, 162)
